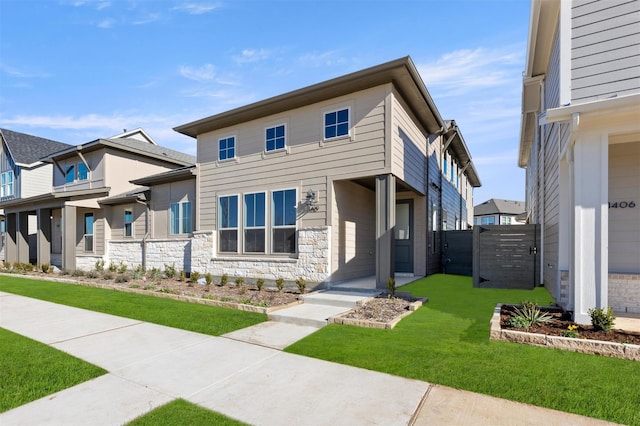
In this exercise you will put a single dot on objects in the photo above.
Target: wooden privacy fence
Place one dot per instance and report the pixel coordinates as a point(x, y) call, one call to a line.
point(505, 256)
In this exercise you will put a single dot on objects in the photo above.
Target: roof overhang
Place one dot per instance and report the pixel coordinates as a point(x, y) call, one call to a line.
point(141, 194)
point(402, 73)
point(542, 29)
point(182, 173)
point(459, 148)
point(62, 195)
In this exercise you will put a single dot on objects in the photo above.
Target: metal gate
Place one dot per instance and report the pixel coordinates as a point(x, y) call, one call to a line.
point(457, 252)
point(505, 256)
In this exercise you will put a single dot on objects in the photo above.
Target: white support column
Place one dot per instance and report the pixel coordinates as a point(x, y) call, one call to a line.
point(591, 228)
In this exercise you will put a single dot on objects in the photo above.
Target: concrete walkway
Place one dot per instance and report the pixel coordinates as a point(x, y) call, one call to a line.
point(150, 365)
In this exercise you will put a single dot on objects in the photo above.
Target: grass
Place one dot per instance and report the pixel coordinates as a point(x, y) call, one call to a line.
point(30, 370)
point(181, 412)
point(447, 342)
point(204, 319)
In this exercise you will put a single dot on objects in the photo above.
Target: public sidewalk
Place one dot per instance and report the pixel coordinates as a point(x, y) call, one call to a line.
point(150, 365)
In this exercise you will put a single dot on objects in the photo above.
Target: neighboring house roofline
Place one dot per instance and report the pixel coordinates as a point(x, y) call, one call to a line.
point(126, 134)
point(27, 150)
point(499, 206)
point(542, 28)
point(401, 72)
point(181, 173)
point(82, 193)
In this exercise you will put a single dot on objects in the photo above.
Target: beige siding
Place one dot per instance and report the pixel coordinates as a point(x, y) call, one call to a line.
point(36, 181)
point(353, 232)
point(605, 49)
point(117, 162)
point(409, 147)
point(307, 162)
point(117, 221)
point(162, 196)
point(98, 231)
point(624, 222)
point(96, 176)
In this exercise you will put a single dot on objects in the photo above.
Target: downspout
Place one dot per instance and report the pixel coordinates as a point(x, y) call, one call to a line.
point(147, 215)
point(439, 133)
point(543, 145)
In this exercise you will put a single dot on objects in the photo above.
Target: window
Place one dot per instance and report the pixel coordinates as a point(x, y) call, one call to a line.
point(228, 223)
point(506, 220)
point(444, 165)
point(254, 223)
point(128, 223)
point(275, 138)
point(82, 171)
point(6, 180)
point(88, 232)
point(283, 213)
point(452, 170)
point(489, 220)
point(226, 148)
point(70, 174)
point(180, 220)
point(336, 123)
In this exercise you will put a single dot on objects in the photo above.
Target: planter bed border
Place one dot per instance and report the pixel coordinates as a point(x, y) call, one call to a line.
point(340, 319)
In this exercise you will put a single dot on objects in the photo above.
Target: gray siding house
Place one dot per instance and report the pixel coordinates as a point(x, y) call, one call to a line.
point(498, 212)
point(580, 145)
point(352, 177)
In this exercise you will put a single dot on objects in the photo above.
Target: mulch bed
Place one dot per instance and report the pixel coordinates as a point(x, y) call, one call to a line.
point(562, 320)
point(381, 309)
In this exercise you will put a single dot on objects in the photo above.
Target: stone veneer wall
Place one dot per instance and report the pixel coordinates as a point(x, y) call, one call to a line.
point(127, 252)
point(87, 263)
point(624, 292)
point(312, 264)
point(173, 252)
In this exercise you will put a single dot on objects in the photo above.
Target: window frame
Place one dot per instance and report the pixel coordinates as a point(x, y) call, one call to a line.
point(222, 228)
point(275, 138)
point(490, 220)
point(273, 220)
point(179, 218)
point(89, 232)
point(336, 125)
point(86, 171)
point(69, 170)
point(7, 181)
point(128, 229)
point(246, 227)
point(226, 149)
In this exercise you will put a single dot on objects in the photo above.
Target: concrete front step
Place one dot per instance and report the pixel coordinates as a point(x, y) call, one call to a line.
point(307, 314)
point(344, 299)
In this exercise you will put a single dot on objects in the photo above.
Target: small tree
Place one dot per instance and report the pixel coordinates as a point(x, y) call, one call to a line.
point(260, 283)
point(280, 283)
point(302, 284)
point(224, 279)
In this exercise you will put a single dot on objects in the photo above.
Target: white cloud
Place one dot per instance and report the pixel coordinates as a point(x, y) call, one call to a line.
point(197, 8)
point(20, 73)
point(103, 5)
point(316, 59)
point(203, 73)
point(106, 23)
point(251, 55)
point(152, 17)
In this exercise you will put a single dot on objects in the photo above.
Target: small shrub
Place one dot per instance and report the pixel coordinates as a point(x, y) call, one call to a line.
point(107, 276)
point(602, 319)
point(183, 276)
point(239, 281)
point(113, 267)
point(149, 287)
point(391, 287)
point(280, 283)
point(123, 278)
point(224, 279)
point(519, 322)
point(302, 284)
point(208, 278)
point(140, 269)
point(122, 268)
point(93, 274)
point(170, 271)
point(46, 268)
point(100, 265)
point(155, 274)
point(194, 277)
point(527, 315)
point(571, 332)
point(78, 273)
point(260, 283)
point(137, 274)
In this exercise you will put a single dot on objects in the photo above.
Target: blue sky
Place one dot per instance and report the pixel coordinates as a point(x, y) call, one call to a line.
point(77, 70)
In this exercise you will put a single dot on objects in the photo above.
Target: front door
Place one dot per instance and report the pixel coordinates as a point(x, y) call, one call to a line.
point(404, 236)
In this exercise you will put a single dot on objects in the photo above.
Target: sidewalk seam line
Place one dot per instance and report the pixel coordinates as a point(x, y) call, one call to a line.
point(95, 333)
point(420, 406)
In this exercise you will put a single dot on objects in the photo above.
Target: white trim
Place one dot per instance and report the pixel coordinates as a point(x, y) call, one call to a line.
point(235, 149)
point(603, 106)
point(349, 123)
point(284, 148)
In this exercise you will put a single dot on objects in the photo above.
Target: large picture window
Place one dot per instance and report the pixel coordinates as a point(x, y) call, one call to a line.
point(284, 221)
point(6, 187)
point(228, 223)
point(275, 138)
point(336, 123)
point(254, 223)
point(180, 220)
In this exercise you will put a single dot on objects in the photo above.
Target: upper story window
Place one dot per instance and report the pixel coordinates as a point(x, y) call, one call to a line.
point(6, 181)
point(228, 223)
point(73, 173)
point(283, 215)
point(336, 123)
point(444, 165)
point(227, 148)
point(83, 172)
point(70, 173)
point(180, 220)
point(128, 223)
point(275, 138)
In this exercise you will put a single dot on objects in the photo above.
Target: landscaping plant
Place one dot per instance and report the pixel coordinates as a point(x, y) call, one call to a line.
point(302, 284)
point(260, 283)
point(529, 314)
point(391, 287)
point(280, 283)
point(223, 280)
point(602, 319)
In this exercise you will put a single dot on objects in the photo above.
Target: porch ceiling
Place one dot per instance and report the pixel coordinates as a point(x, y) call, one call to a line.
point(369, 182)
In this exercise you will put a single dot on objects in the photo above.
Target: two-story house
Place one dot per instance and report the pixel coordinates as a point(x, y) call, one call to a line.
point(352, 177)
point(72, 226)
point(580, 145)
point(23, 174)
point(499, 212)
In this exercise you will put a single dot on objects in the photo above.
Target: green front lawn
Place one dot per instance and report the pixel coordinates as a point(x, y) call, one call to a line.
point(30, 370)
point(181, 412)
point(447, 342)
point(205, 319)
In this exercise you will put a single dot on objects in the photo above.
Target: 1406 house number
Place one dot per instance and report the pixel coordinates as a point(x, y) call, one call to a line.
point(622, 204)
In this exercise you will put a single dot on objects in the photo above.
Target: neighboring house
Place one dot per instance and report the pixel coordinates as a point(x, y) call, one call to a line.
point(352, 177)
point(580, 144)
point(22, 173)
point(498, 212)
point(73, 227)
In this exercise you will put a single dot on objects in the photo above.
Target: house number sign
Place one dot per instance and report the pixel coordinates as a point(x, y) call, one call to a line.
point(622, 204)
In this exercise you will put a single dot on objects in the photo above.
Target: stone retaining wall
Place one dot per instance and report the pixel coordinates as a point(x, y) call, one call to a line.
point(624, 292)
point(596, 347)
